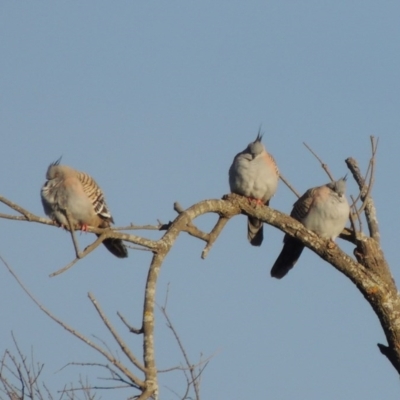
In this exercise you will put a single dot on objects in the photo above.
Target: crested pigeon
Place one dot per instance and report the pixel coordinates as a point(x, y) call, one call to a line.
point(254, 174)
point(323, 210)
point(67, 189)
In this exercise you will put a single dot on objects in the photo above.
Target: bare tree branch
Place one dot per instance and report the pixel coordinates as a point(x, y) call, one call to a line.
point(213, 235)
point(369, 271)
point(192, 368)
point(136, 382)
point(371, 172)
point(19, 377)
point(115, 334)
point(287, 183)
point(370, 211)
point(130, 327)
point(209, 238)
point(323, 165)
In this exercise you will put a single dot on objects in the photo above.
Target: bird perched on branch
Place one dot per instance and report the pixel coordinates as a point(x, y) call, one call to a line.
point(68, 190)
point(323, 210)
point(254, 174)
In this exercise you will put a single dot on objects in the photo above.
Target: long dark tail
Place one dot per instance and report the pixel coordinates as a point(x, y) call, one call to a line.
point(116, 247)
point(288, 257)
point(255, 231)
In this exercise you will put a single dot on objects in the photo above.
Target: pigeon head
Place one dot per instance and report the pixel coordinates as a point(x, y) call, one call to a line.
point(339, 186)
point(255, 148)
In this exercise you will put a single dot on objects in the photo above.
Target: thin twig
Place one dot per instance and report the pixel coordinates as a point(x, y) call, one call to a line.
point(137, 248)
point(191, 368)
point(72, 232)
point(130, 327)
point(371, 168)
point(115, 376)
point(356, 214)
point(82, 255)
point(353, 225)
point(287, 183)
point(323, 165)
point(368, 203)
point(63, 269)
point(17, 208)
point(133, 227)
point(115, 334)
point(213, 235)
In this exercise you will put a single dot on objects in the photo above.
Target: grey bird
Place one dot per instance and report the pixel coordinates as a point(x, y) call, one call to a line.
point(323, 210)
point(254, 174)
point(77, 192)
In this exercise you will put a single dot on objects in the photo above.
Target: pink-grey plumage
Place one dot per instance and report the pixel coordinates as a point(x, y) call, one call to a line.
point(323, 210)
point(254, 174)
point(77, 192)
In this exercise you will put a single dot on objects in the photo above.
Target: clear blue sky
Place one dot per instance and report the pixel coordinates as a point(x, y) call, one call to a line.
point(153, 99)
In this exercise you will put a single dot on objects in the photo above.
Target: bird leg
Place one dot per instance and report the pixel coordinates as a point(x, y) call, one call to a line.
point(258, 202)
point(59, 224)
point(84, 228)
